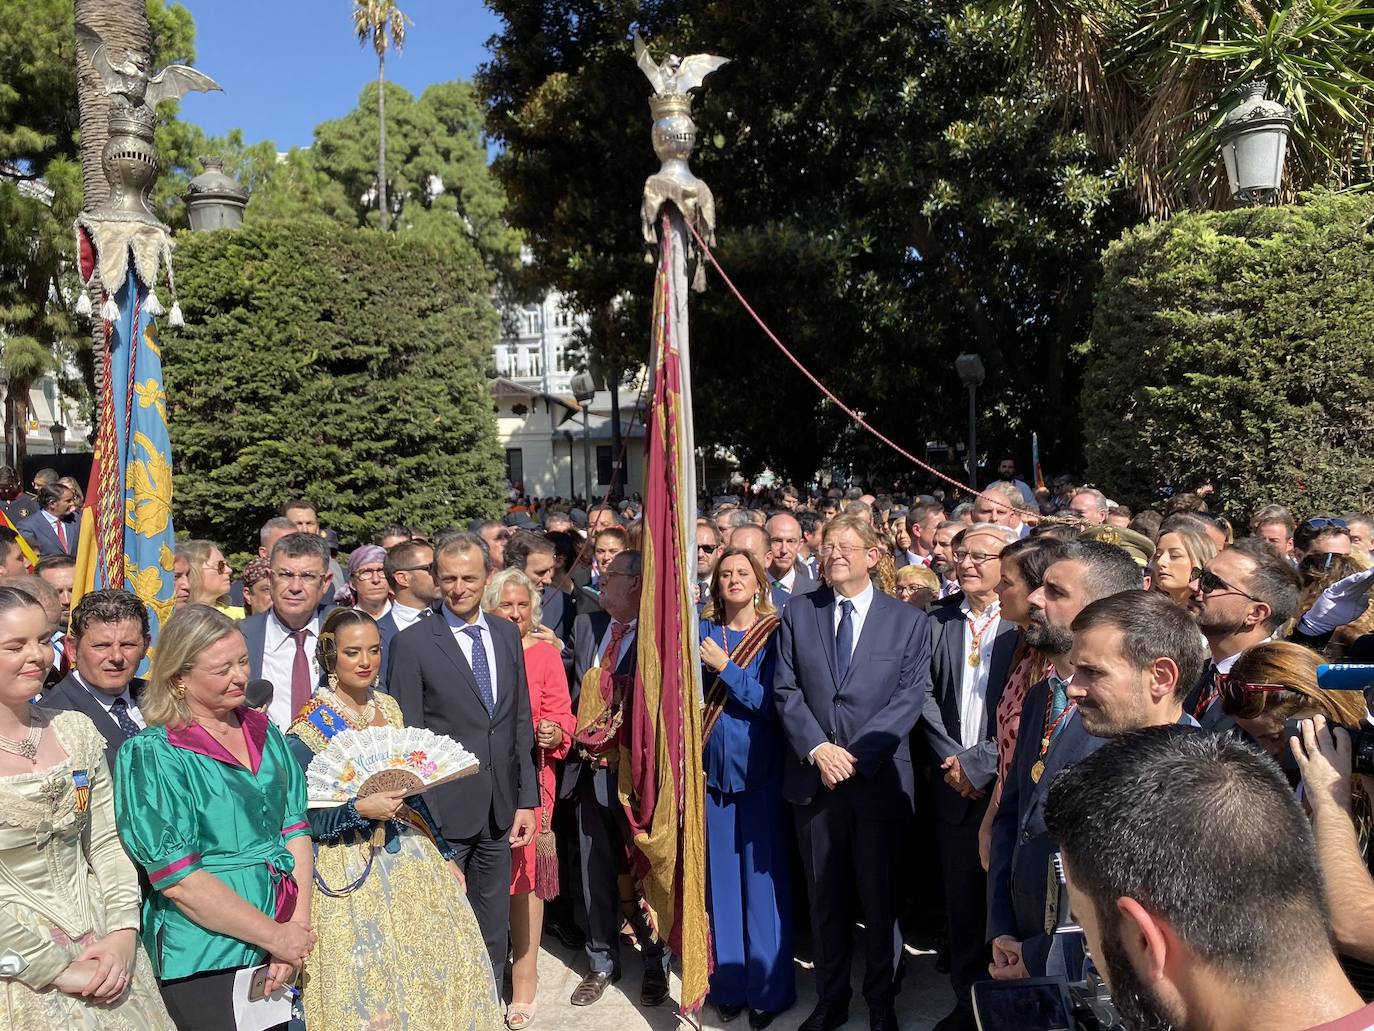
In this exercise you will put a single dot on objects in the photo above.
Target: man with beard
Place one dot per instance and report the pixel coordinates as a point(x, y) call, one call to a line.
point(1050, 737)
point(1193, 873)
point(942, 555)
point(1240, 599)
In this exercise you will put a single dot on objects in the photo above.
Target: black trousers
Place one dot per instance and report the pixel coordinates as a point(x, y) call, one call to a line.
point(966, 901)
point(202, 1002)
point(485, 862)
point(843, 852)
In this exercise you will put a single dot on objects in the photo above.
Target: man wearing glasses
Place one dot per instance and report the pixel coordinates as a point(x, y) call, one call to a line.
point(1240, 599)
point(281, 641)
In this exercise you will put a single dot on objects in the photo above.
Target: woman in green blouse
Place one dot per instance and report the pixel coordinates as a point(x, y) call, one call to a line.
point(210, 803)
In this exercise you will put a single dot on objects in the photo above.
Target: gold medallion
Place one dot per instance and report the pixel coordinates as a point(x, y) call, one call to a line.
point(974, 659)
point(1038, 770)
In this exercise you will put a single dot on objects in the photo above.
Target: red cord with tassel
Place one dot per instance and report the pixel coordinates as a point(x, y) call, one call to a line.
point(545, 848)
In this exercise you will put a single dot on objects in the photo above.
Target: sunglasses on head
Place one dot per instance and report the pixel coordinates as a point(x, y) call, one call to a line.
point(1208, 582)
point(1321, 523)
point(1237, 695)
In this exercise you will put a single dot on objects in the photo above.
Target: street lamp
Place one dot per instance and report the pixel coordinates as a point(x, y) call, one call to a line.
point(1254, 143)
point(584, 389)
point(970, 369)
point(59, 437)
point(214, 200)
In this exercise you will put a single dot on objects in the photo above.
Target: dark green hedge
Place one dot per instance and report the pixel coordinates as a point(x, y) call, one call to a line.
point(344, 365)
point(1238, 347)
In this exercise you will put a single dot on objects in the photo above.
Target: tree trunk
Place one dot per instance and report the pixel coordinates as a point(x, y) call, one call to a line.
point(123, 25)
point(381, 143)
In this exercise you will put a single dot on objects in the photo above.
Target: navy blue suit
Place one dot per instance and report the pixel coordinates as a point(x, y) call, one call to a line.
point(1019, 859)
point(850, 835)
point(749, 855)
point(39, 533)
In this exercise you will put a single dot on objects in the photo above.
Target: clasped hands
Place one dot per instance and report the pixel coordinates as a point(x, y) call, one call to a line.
point(835, 764)
point(956, 778)
point(101, 971)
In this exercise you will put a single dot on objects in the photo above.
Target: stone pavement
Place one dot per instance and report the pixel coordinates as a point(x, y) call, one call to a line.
point(925, 997)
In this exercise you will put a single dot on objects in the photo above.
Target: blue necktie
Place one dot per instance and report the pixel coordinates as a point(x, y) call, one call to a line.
point(1060, 690)
point(480, 670)
point(119, 709)
point(844, 639)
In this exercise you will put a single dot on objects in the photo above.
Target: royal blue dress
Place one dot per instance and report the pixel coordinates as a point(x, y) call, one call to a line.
point(749, 876)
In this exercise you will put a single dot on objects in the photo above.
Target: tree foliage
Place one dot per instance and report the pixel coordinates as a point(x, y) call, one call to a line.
point(891, 190)
point(357, 380)
point(1236, 347)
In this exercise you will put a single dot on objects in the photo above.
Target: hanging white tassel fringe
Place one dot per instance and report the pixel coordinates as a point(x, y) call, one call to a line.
point(175, 319)
point(109, 311)
point(152, 305)
point(83, 303)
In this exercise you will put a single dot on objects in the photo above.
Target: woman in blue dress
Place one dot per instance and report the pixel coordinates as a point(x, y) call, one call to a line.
point(749, 881)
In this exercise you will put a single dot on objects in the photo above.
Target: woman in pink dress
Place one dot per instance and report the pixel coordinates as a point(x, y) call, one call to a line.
point(512, 595)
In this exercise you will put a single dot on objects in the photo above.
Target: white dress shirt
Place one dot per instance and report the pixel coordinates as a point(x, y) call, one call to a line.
point(403, 615)
point(279, 658)
point(626, 642)
point(973, 683)
point(107, 700)
point(863, 601)
point(465, 642)
point(788, 579)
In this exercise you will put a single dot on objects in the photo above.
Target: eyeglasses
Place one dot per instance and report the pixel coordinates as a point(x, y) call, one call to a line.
point(847, 550)
point(1208, 583)
point(978, 558)
point(371, 574)
point(411, 569)
point(907, 590)
point(1238, 697)
point(306, 579)
point(218, 567)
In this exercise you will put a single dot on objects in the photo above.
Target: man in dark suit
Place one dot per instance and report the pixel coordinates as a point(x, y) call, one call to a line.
point(409, 569)
point(971, 651)
point(852, 675)
point(281, 641)
point(604, 646)
point(56, 527)
point(787, 574)
point(1020, 849)
point(462, 675)
point(109, 637)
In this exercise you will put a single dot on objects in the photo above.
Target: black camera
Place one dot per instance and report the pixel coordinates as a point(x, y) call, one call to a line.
point(1361, 747)
point(1050, 1003)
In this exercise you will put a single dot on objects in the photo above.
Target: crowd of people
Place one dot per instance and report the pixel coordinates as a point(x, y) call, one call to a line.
point(910, 705)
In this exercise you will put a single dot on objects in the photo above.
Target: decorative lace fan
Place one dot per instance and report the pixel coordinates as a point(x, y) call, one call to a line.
point(358, 763)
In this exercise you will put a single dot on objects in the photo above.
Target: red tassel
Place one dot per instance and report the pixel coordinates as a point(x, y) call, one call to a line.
point(545, 848)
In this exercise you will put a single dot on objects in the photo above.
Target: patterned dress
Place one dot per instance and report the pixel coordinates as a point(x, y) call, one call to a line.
point(65, 881)
point(399, 946)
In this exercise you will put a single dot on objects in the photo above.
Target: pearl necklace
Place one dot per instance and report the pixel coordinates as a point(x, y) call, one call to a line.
point(28, 747)
point(359, 720)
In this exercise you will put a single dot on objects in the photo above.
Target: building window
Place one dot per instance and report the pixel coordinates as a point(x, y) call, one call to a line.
point(515, 466)
point(603, 464)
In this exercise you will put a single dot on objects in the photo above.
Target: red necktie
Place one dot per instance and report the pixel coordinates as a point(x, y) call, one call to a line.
point(611, 659)
point(62, 537)
point(300, 674)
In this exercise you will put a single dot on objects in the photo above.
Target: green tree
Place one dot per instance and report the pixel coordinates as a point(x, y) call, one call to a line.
point(381, 23)
point(1236, 347)
point(893, 191)
point(358, 380)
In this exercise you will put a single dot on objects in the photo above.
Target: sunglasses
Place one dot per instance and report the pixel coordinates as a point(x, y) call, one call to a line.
point(1240, 698)
point(710, 549)
point(1208, 582)
point(1321, 523)
point(219, 567)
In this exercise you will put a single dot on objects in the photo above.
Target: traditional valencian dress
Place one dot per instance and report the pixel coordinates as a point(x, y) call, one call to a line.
point(184, 803)
point(65, 881)
point(398, 945)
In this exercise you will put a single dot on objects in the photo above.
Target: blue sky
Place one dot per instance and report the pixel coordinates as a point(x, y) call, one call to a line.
point(287, 65)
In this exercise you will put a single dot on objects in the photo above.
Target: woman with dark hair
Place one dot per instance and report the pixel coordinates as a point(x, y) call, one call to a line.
point(749, 883)
point(1023, 570)
point(69, 899)
point(398, 942)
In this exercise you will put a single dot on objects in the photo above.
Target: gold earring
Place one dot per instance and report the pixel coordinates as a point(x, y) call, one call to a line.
point(333, 681)
point(179, 691)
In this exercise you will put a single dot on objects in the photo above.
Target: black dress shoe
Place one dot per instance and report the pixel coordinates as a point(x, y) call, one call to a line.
point(728, 1013)
point(592, 987)
point(654, 990)
point(884, 1019)
point(826, 1017)
point(958, 1019)
point(569, 934)
point(760, 1019)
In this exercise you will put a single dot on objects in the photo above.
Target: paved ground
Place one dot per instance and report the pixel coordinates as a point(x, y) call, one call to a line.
point(924, 1000)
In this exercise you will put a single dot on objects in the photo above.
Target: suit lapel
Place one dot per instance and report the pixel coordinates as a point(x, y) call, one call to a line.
point(1003, 649)
point(825, 621)
point(443, 636)
point(871, 631)
point(954, 659)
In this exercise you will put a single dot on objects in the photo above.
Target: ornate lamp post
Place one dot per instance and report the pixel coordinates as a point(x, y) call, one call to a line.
point(1254, 143)
point(59, 438)
point(584, 389)
point(214, 200)
point(970, 369)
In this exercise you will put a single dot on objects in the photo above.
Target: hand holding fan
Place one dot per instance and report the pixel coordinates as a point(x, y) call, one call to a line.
point(358, 763)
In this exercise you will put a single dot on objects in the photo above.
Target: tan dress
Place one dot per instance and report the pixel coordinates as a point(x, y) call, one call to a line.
point(64, 882)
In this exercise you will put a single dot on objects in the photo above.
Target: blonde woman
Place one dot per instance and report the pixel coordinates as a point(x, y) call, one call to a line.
point(69, 902)
point(1178, 552)
point(209, 576)
point(209, 802)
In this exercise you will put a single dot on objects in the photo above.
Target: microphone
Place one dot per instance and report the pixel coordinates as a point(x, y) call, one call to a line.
point(257, 694)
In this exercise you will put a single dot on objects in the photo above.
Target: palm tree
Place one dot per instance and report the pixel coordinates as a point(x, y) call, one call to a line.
point(1151, 81)
point(382, 23)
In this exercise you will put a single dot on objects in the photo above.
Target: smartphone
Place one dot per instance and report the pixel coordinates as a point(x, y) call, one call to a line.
point(257, 987)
